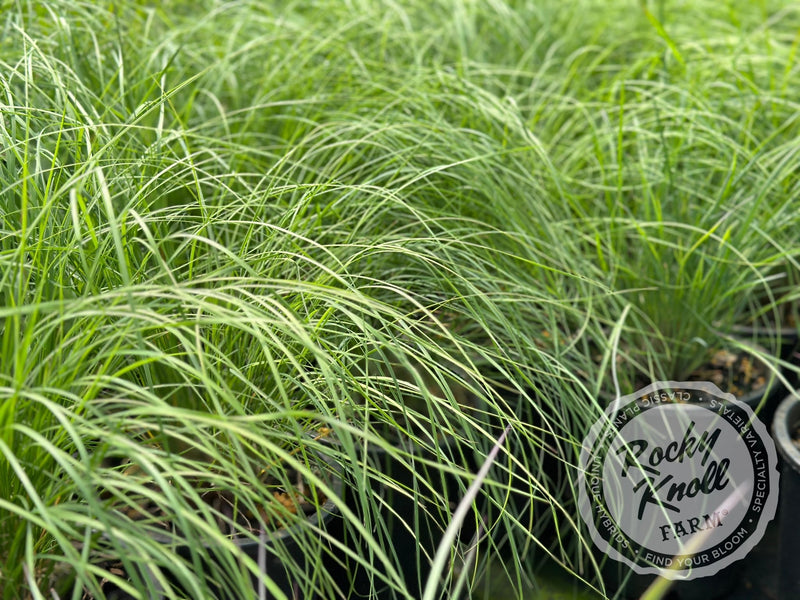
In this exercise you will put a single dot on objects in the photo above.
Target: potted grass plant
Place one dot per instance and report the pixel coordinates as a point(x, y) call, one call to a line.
point(681, 291)
point(43, 528)
point(681, 294)
point(189, 441)
point(681, 283)
point(203, 483)
point(237, 535)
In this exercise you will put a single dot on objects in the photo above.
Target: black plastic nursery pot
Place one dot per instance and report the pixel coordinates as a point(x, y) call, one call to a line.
point(290, 555)
point(524, 463)
point(786, 338)
point(765, 330)
point(621, 582)
point(399, 515)
point(288, 552)
point(772, 395)
point(786, 433)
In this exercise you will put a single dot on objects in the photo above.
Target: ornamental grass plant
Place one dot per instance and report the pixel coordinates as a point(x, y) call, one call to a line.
point(229, 227)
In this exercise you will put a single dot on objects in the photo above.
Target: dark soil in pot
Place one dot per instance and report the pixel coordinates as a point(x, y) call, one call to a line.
point(735, 372)
point(739, 373)
point(747, 378)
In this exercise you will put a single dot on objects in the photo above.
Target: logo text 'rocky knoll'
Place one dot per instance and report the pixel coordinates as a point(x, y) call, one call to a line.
point(645, 461)
point(676, 480)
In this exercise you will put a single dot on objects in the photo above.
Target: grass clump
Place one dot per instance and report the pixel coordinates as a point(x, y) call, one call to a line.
point(225, 225)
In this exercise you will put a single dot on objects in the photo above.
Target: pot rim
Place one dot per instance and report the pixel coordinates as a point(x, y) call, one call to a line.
point(787, 334)
point(787, 416)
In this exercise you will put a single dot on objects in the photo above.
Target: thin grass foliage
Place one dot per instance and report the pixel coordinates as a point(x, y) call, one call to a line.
point(245, 244)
